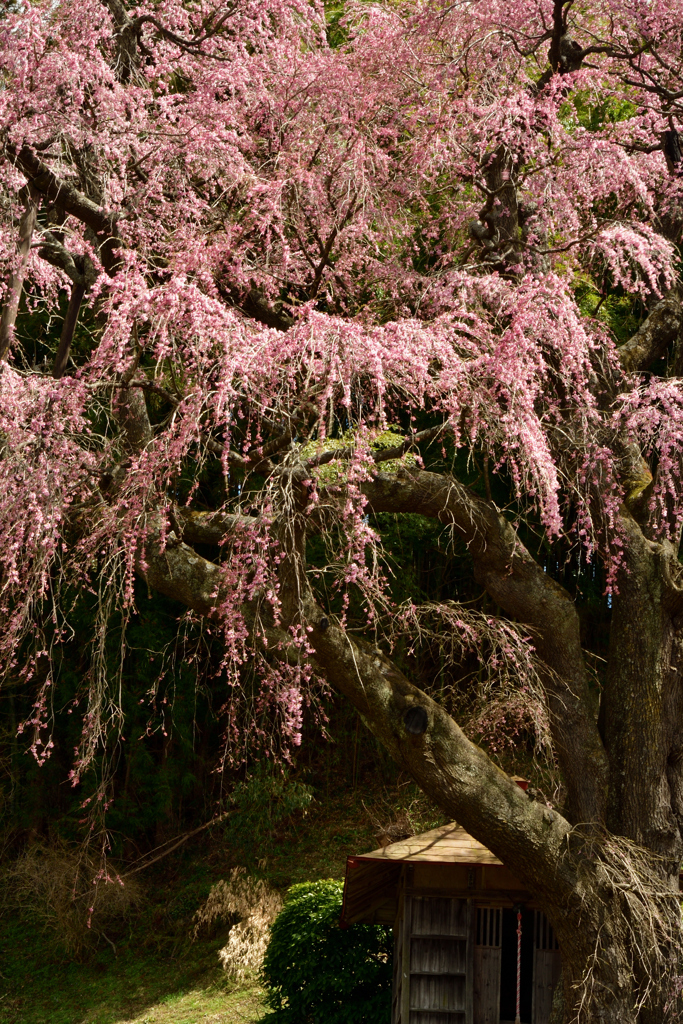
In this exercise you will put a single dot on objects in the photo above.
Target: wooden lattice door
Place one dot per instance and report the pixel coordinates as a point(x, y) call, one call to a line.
point(431, 967)
point(487, 961)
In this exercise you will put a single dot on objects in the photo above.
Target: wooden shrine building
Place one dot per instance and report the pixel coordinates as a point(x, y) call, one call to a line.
point(453, 907)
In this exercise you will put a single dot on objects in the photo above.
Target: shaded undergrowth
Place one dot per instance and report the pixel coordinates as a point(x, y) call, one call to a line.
point(147, 969)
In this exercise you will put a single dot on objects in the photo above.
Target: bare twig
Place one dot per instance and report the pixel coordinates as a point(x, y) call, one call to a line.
point(177, 841)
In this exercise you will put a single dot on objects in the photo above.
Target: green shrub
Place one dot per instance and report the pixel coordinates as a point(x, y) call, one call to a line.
point(317, 973)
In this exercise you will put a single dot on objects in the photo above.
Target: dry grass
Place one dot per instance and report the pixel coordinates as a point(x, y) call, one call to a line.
point(641, 916)
point(249, 905)
point(391, 824)
point(68, 893)
point(391, 828)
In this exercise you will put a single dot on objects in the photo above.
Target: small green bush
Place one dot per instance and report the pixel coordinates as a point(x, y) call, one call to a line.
point(317, 973)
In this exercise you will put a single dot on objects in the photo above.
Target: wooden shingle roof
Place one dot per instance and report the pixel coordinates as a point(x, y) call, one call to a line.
point(373, 879)
point(447, 844)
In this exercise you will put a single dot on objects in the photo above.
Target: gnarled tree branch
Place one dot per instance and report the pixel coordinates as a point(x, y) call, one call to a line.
point(520, 586)
point(662, 327)
point(456, 773)
point(9, 313)
point(70, 199)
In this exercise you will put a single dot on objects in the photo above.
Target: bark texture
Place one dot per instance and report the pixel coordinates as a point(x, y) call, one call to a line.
point(642, 702)
point(570, 870)
point(8, 318)
point(521, 587)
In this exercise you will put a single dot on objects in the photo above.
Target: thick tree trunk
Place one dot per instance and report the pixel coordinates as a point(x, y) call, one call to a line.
point(641, 706)
point(520, 586)
point(597, 892)
point(614, 906)
point(68, 329)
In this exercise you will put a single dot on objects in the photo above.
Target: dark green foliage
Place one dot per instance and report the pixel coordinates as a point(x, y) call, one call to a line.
point(337, 31)
point(317, 973)
point(593, 115)
point(260, 804)
point(185, 904)
point(160, 777)
point(620, 312)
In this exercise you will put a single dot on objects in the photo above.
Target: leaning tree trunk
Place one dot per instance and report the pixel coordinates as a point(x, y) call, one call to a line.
point(605, 871)
point(606, 874)
point(616, 916)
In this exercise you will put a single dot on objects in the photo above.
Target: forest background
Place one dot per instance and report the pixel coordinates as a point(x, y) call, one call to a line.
point(288, 822)
point(327, 374)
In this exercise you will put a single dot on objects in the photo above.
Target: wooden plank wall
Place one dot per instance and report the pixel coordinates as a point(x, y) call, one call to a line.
point(434, 941)
point(547, 966)
point(447, 963)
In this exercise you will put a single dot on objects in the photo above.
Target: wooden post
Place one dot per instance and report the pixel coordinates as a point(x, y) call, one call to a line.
point(486, 966)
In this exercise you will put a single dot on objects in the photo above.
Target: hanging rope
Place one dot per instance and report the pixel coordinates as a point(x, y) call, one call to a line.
point(519, 963)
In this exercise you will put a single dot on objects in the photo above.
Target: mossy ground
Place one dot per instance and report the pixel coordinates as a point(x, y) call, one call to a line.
point(128, 989)
point(155, 974)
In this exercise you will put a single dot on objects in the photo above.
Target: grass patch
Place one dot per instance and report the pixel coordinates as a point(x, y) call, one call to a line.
point(156, 975)
point(44, 989)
